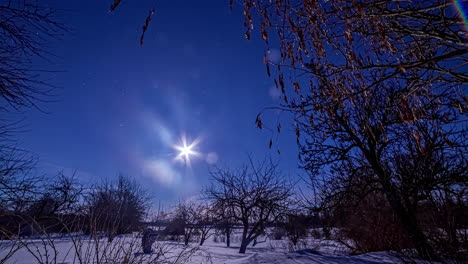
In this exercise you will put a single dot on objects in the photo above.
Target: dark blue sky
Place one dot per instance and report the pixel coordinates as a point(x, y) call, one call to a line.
point(121, 107)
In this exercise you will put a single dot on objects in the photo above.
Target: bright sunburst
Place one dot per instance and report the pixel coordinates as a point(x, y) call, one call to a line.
point(186, 150)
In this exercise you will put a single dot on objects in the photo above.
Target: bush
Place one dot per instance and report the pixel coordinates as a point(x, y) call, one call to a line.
point(372, 226)
point(117, 207)
point(278, 233)
point(296, 227)
point(315, 233)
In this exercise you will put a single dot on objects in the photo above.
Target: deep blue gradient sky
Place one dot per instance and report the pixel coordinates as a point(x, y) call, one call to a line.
point(120, 107)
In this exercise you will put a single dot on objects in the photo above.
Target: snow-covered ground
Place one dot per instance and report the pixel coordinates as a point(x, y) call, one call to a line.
point(63, 250)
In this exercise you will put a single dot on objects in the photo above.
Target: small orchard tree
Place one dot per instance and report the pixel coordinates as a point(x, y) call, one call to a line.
point(224, 219)
point(196, 219)
point(187, 213)
point(256, 194)
point(205, 222)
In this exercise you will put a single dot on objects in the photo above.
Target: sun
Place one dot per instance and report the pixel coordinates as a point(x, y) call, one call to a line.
point(186, 150)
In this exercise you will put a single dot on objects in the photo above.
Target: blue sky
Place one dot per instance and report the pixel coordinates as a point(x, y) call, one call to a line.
point(121, 107)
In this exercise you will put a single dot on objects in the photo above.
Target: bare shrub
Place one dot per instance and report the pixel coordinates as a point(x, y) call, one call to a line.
point(372, 226)
point(278, 233)
point(316, 233)
point(296, 227)
point(70, 247)
point(372, 85)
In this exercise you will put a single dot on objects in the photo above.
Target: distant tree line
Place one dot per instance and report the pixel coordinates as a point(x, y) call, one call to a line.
point(64, 206)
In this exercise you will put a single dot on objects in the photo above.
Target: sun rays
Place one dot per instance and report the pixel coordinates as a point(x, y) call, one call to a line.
point(186, 150)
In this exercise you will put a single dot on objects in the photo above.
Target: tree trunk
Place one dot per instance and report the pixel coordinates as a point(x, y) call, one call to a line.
point(409, 222)
point(419, 240)
point(146, 242)
point(407, 218)
point(202, 239)
point(228, 237)
point(110, 237)
point(245, 240)
point(243, 246)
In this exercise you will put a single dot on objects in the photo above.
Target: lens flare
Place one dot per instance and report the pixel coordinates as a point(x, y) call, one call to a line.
point(462, 8)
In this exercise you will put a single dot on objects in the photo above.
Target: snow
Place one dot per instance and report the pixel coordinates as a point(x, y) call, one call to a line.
point(272, 251)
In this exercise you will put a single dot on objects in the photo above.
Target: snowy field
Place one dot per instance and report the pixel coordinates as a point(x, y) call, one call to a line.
point(127, 249)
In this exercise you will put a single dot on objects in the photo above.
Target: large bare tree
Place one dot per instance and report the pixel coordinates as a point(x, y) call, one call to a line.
point(376, 86)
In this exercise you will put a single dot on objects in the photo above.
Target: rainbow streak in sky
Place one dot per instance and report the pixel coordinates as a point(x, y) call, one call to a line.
point(462, 8)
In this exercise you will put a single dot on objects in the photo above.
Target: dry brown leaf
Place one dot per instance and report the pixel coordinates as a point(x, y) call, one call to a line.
point(281, 82)
point(264, 34)
point(114, 5)
point(297, 87)
point(146, 25)
point(258, 121)
point(417, 136)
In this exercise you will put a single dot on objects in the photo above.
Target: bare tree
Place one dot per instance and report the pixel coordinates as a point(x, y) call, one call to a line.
point(61, 196)
point(47, 206)
point(19, 184)
point(197, 220)
point(25, 29)
point(256, 194)
point(117, 207)
point(375, 83)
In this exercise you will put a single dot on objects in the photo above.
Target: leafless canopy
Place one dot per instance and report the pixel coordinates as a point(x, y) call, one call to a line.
point(256, 194)
point(117, 207)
